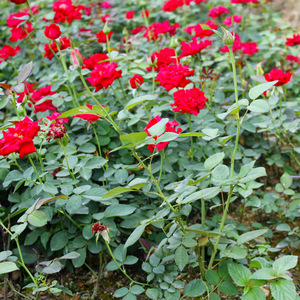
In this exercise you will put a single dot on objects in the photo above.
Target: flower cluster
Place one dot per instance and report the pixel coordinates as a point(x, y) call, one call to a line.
point(244, 1)
point(8, 51)
point(92, 61)
point(20, 28)
point(19, 139)
point(189, 101)
point(162, 58)
point(170, 127)
point(57, 130)
point(98, 228)
point(171, 5)
point(35, 95)
point(64, 44)
point(155, 30)
point(66, 11)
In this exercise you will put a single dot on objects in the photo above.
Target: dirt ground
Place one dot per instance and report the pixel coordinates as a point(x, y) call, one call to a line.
point(290, 10)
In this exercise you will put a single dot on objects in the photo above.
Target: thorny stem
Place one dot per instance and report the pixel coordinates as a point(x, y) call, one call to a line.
point(232, 161)
point(109, 119)
point(66, 158)
point(121, 269)
point(159, 190)
point(35, 170)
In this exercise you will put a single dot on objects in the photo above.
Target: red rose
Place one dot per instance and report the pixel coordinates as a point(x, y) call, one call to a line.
point(145, 14)
point(189, 101)
point(91, 118)
point(129, 15)
point(217, 11)
point(66, 11)
point(18, 33)
point(237, 45)
point(136, 81)
point(18, 1)
point(106, 4)
point(91, 62)
point(279, 75)
point(293, 41)
point(249, 48)
point(199, 32)
point(193, 47)
point(52, 32)
point(156, 29)
point(105, 18)
point(104, 75)
point(101, 36)
point(8, 51)
point(163, 58)
point(174, 76)
point(236, 19)
point(170, 127)
point(19, 138)
point(293, 59)
point(64, 44)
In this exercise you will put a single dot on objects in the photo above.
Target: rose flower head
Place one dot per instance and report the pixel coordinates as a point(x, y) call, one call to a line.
point(52, 31)
point(189, 101)
point(136, 81)
point(279, 75)
point(19, 139)
point(169, 127)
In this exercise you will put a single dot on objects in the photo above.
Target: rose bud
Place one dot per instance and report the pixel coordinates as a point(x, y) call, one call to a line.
point(52, 32)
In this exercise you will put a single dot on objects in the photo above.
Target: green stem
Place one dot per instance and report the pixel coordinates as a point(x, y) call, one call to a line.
point(120, 83)
point(118, 98)
point(35, 170)
point(14, 290)
point(190, 126)
point(13, 102)
point(66, 158)
point(161, 165)
point(109, 119)
point(123, 271)
point(159, 190)
point(232, 161)
point(108, 48)
point(153, 81)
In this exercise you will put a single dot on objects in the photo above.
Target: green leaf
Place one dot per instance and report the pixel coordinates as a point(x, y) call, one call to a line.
point(259, 262)
point(7, 267)
point(37, 218)
point(256, 91)
point(220, 173)
point(24, 73)
point(129, 296)
point(96, 110)
point(135, 235)
point(254, 174)
point(118, 210)
point(283, 290)
point(117, 191)
point(286, 180)
point(71, 255)
point(239, 274)
point(228, 288)
point(285, 263)
point(194, 289)
point(205, 194)
point(136, 290)
point(159, 128)
point(248, 236)
point(58, 241)
point(212, 277)
point(73, 204)
point(259, 106)
point(167, 137)
point(191, 134)
point(78, 262)
point(254, 294)
point(213, 160)
point(54, 267)
point(138, 100)
point(133, 138)
point(5, 254)
point(181, 257)
point(235, 252)
point(121, 292)
point(264, 274)
point(152, 293)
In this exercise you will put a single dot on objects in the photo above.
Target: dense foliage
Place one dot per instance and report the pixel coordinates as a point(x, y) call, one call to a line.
point(157, 138)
